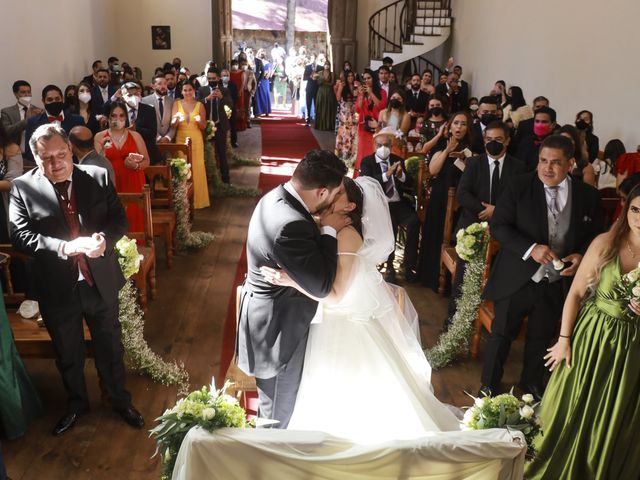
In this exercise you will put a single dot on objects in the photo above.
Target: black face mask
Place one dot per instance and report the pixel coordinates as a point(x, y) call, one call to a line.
point(395, 103)
point(213, 84)
point(494, 148)
point(487, 118)
point(54, 108)
point(582, 125)
point(436, 111)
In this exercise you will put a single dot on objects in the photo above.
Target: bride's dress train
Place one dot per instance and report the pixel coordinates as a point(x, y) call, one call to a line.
point(365, 375)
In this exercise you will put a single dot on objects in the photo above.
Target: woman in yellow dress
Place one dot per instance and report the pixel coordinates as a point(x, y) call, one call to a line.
point(189, 118)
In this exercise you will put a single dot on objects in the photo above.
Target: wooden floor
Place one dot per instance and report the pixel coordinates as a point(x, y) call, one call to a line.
point(185, 323)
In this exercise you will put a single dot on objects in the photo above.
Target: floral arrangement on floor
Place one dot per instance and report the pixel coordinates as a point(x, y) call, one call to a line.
point(208, 408)
point(628, 287)
point(471, 247)
point(221, 189)
point(138, 353)
point(210, 130)
point(505, 411)
point(185, 238)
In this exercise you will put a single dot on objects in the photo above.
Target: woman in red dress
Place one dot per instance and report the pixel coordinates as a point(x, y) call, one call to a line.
point(237, 78)
point(127, 152)
point(371, 99)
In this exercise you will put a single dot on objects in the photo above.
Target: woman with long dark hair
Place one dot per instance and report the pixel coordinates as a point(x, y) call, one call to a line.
point(11, 166)
point(591, 408)
point(606, 168)
point(582, 170)
point(371, 99)
point(584, 123)
point(516, 108)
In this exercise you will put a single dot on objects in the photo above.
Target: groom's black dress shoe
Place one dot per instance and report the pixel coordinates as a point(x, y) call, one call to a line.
point(131, 416)
point(65, 423)
point(484, 391)
point(533, 390)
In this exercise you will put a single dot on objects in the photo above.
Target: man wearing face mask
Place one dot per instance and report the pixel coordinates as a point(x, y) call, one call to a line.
point(390, 171)
point(15, 117)
point(215, 98)
point(544, 124)
point(233, 93)
point(487, 113)
point(141, 118)
point(52, 99)
point(525, 127)
point(484, 178)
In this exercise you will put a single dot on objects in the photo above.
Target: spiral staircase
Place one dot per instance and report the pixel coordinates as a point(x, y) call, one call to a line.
point(405, 30)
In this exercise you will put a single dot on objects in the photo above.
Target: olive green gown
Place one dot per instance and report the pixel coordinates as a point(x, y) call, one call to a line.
point(19, 401)
point(591, 412)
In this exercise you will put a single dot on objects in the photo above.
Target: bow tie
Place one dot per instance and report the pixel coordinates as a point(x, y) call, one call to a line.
point(57, 118)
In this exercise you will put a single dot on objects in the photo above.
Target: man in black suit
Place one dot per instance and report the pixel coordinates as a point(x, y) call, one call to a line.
point(69, 219)
point(451, 91)
point(383, 77)
point(91, 78)
point(101, 93)
point(416, 99)
point(487, 114)
point(485, 177)
point(233, 93)
point(54, 112)
point(215, 97)
point(274, 320)
point(464, 86)
point(544, 124)
point(390, 171)
point(525, 127)
point(544, 222)
point(310, 75)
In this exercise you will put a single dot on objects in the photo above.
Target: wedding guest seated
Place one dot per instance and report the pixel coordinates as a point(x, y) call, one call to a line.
point(484, 179)
point(85, 107)
point(15, 117)
point(390, 171)
point(544, 124)
point(605, 169)
point(525, 127)
point(83, 148)
point(54, 112)
point(10, 168)
point(583, 170)
point(126, 151)
point(536, 254)
point(584, 123)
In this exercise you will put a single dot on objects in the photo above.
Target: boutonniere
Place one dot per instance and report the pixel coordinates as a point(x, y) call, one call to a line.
point(586, 218)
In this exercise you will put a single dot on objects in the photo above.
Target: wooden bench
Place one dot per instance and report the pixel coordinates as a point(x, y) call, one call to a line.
point(163, 215)
point(448, 255)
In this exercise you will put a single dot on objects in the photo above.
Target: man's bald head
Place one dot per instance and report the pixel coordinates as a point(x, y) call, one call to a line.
point(81, 139)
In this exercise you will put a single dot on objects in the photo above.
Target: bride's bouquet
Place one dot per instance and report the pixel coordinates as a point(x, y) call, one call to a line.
point(505, 411)
point(628, 287)
point(470, 240)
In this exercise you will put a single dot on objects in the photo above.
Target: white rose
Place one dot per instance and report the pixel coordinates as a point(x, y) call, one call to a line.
point(527, 412)
point(558, 264)
point(527, 398)
point(636, 291)
point(480, 402)
point(467, 417)
point(208, 413)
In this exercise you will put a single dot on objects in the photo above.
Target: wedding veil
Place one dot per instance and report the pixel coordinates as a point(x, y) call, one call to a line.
point(377, 231)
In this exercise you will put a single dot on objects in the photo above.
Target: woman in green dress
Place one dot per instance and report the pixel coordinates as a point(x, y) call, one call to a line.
point(326, 103)
point(590, 411)
point(19, 401)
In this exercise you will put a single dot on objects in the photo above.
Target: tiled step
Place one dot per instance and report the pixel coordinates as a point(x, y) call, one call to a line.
point(422, 5)
point(432, 13)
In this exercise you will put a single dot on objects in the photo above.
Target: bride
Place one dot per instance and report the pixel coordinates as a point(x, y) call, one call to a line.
point(365, 375)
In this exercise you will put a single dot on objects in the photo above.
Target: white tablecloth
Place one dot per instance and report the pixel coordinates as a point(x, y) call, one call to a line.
point(271, 454)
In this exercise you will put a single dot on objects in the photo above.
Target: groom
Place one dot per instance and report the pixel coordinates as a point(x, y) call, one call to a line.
point(274, 320)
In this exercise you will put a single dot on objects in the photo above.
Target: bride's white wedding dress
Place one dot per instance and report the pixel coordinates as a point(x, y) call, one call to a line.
point(365, 376)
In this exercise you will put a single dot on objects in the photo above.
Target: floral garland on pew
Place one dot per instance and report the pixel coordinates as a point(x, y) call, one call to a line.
point(471, 246)
point(181, 172)
point(138, 353)
point(207, 408)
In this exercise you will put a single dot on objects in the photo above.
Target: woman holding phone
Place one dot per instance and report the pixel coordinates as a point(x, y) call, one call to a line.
point(127, 152)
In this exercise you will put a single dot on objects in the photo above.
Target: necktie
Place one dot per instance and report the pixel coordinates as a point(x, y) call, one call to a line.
point(132, 119)
point(161, 107)
point(67, 203)
point(105, 94)
point(495, 180)
point(55, 118)
point(388, 185)
point(416, 95)
point(553, 201)
point(22, 145)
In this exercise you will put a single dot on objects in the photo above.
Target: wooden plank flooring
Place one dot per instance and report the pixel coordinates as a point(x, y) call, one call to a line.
point(185, 323)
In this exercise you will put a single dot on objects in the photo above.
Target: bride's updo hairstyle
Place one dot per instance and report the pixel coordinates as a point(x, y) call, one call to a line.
point(319, 169)
point(354, 194)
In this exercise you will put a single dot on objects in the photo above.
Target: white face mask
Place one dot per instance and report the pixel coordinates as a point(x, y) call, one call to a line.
point(225, 79)
point(26, 101)
point(473, 108)
point(131, 100)
point(383, 152)
point(84, 97)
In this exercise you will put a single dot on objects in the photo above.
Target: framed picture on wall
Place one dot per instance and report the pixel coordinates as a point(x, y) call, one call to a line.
point(161, 37)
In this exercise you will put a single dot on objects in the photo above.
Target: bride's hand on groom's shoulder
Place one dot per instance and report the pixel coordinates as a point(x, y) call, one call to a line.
point(336, 219)
point(276, 276)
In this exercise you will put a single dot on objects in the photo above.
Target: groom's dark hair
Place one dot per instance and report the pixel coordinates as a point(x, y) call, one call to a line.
point(320, 169)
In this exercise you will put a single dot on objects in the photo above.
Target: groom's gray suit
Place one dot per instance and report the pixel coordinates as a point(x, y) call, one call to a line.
point(274, 320)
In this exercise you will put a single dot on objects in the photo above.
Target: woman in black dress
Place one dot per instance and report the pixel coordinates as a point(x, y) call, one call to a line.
point(447, 175)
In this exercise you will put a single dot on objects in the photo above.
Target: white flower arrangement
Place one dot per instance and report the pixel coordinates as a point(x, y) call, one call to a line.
point(128, 256)
point(210, 130)
point(469, 240)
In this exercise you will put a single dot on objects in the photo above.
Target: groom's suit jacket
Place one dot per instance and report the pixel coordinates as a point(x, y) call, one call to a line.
point(275, 319)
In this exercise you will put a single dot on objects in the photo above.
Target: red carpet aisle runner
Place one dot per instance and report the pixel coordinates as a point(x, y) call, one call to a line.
point(285, 140)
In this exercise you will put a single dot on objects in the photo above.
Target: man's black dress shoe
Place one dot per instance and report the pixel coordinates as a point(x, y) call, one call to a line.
point(484, 392)
point(131, 416)
point(533, 390)
point(65, 423)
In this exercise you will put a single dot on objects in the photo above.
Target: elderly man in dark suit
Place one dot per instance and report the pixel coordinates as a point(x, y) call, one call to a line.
point(390, 171)
point(544, 222)
point(15, 117)
point(215, 98)
point(54, 112)
point(484, 179)
point(69, 219)
point(82, 146)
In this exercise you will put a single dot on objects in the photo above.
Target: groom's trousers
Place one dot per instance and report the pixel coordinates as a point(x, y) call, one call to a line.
point(278, 394)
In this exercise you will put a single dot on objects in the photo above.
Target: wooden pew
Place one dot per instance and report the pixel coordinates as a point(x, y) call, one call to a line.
point(448, 255)
point(147, 272)
point(162, 213)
